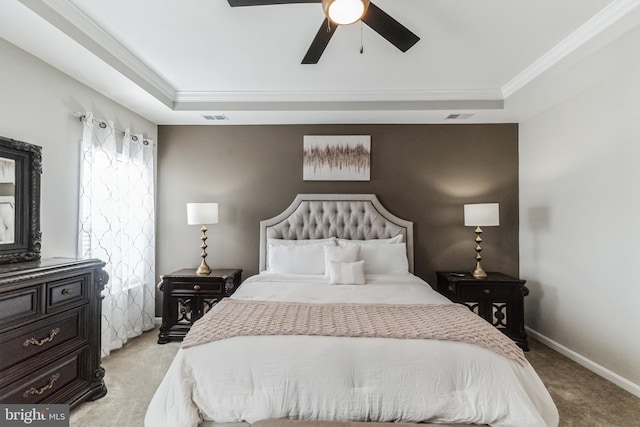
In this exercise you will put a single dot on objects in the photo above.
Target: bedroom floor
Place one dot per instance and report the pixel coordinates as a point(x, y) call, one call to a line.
point(134, 372)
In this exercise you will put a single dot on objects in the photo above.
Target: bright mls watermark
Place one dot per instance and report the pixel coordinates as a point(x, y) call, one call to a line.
point(34, 415)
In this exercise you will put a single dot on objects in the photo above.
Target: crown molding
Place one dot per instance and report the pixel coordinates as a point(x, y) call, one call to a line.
point(341, 106)
point(340, 100)
point(590, 29)
point(339, 96)
point(66, 17)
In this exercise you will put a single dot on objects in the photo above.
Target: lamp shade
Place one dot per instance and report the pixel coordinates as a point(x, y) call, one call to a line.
point(344, 12)
point(202, 213)
point(482, 215)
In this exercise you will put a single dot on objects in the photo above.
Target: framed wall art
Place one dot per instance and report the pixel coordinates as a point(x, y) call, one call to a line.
point(337, 158)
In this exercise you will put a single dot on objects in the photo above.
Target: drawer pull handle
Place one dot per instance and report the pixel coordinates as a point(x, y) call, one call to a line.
point(55, 377)
point(196, 287)
point(33, 341)
point(486, 291)
point(67, 291)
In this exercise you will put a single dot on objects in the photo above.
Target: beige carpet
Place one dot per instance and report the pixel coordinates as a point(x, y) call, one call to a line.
point(133, 373)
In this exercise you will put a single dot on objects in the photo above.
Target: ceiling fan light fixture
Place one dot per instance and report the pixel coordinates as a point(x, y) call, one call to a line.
point(345, 12)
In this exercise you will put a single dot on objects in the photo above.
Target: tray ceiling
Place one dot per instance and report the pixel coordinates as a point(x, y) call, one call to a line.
point(175, 62)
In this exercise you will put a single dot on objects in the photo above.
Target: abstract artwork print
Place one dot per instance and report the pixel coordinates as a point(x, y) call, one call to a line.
point(337, 158)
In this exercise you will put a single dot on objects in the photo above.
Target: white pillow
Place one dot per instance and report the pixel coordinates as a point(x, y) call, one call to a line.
point(390, 240)
point(385, 259)
point(346, 273)
point(296, 259)
point(271, 242)
point(340, 254)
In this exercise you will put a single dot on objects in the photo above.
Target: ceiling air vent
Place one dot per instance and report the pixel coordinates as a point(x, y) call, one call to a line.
point(459, 116)
point(216, 117)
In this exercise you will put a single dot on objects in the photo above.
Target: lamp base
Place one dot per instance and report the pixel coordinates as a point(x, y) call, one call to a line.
point(479, 272)
point(203, 269)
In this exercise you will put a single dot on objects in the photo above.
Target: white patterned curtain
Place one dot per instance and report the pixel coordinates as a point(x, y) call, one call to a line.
point(117, 224)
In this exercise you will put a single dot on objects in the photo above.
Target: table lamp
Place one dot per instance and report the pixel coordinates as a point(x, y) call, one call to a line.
point(202, 213)
point(481, 215)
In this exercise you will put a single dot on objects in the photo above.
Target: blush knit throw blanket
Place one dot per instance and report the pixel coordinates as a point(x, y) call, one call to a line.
point(453, 322)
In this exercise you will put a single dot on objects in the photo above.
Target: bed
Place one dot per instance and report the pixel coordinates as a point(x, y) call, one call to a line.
point(344, 264)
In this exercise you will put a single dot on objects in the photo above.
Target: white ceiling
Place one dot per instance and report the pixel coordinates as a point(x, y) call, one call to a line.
point(175, 61)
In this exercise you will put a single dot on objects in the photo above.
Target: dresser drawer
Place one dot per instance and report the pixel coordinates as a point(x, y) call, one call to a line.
point(209, 287)
point(20, 304)
point(63, 292)
point(44, 383)
point(28, 341)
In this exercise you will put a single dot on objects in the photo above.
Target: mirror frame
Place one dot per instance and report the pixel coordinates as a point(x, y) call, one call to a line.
point(28, 160)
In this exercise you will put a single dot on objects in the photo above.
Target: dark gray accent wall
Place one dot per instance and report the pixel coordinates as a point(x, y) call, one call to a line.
point(422, 173)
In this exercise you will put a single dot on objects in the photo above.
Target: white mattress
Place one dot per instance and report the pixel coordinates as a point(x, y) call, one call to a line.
point(337, 378)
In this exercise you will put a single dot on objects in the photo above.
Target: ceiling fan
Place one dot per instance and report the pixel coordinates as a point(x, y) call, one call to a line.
point(344, 12)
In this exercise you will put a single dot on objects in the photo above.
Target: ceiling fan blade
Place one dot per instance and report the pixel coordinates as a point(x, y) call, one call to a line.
point(319, 43)
point(389, 28)
point(234, 3)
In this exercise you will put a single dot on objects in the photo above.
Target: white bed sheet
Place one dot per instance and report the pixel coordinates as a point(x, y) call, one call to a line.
point(379, 288)
point(338, 378)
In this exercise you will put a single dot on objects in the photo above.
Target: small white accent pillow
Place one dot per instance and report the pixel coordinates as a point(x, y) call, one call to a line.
point(390, 240)
point(340, 254)
point(296, 259)
point(346, 273)
point(385, 259)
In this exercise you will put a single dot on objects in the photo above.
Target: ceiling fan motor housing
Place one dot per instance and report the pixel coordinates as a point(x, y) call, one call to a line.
point(345, 12)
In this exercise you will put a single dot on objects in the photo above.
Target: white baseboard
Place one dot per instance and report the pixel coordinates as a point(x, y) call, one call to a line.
point(157, 321)
point(589, 364)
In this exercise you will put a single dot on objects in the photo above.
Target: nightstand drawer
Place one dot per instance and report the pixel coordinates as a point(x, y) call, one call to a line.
point(449, 289)
point(479, 290)
point(41, 336)
point(210, 287)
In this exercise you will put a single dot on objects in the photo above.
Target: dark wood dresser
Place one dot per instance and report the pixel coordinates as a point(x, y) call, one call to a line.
point(498, 298)
point(50, 315)
point(188, 296)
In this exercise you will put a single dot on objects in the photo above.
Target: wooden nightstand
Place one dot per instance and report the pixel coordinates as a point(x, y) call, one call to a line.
point(188, 296)
point(499, 299)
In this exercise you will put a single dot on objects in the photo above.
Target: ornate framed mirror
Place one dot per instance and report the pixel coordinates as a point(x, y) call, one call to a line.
point(20, 170)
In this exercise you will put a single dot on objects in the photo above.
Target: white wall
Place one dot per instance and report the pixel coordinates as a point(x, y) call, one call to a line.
point(36, 106)
point(580, 207)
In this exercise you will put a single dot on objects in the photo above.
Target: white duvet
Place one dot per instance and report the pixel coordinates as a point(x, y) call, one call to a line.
point(338, 378)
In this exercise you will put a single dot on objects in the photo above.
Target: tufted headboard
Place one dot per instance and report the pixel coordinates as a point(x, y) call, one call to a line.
point(346, 216)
